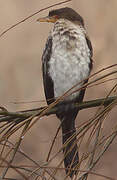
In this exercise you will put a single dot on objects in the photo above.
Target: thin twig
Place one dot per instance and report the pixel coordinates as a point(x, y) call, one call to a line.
point(15, 151)
point(84, 105)
point(30, 16)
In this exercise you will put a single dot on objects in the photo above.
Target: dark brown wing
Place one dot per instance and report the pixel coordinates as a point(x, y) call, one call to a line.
point(47, 81)
point(91, 51)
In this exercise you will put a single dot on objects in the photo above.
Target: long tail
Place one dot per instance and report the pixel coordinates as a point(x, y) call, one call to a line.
point(71, 157)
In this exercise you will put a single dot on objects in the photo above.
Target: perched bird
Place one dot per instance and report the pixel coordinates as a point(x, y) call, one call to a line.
point(66, 61)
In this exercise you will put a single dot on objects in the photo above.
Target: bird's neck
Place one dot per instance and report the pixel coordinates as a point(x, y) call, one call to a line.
point(64, 26)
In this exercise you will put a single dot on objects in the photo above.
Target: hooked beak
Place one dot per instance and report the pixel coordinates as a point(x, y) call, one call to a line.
point(52, 19)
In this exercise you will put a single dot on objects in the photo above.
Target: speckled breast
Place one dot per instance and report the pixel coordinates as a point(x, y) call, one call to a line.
point(69, 63)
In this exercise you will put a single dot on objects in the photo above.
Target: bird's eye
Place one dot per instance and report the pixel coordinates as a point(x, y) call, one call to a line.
point(56, 17)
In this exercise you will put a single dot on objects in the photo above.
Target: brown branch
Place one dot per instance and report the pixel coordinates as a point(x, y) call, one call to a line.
point(6, 115)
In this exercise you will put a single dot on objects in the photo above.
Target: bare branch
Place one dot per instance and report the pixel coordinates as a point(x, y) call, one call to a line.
point(30, 16)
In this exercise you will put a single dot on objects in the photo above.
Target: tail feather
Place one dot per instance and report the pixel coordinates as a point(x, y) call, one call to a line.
point(70, 150)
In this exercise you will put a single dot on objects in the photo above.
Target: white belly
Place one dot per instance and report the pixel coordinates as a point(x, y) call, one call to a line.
point(69, 64)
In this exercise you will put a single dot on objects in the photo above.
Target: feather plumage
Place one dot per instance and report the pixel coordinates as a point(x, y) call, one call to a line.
point(67, 60)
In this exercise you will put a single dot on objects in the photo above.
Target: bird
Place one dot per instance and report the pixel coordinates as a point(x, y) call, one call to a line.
point(66, 62)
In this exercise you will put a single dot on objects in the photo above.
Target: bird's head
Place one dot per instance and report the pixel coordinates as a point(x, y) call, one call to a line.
point(62, 13)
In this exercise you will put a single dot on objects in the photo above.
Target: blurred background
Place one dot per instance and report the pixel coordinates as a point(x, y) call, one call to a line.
point(21, 78)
